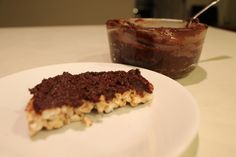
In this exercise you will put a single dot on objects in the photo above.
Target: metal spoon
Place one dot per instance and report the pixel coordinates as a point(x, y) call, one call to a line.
point(200, 12)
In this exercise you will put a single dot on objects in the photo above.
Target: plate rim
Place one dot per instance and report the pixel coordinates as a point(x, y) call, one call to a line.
point(194, 131)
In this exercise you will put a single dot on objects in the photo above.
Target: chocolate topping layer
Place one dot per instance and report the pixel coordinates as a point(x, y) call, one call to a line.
point(72, 90)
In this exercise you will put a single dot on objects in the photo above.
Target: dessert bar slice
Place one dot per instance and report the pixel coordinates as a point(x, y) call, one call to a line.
point(66, 98)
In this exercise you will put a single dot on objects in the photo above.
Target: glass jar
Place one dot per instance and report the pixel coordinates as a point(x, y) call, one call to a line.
point(166, 46)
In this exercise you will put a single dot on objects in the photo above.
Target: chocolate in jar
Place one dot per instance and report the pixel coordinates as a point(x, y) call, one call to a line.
point(163, 45)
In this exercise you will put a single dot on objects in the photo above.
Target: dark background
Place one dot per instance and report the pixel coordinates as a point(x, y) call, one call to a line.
point(15, 13)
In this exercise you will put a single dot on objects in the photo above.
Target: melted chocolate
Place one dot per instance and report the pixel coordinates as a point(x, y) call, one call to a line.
point(68, 89)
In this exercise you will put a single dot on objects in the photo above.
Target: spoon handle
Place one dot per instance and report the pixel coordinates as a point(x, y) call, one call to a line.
point(204, 9)
point(200, 12)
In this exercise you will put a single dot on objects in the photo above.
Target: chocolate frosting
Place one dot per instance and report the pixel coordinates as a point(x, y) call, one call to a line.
point(72, 90)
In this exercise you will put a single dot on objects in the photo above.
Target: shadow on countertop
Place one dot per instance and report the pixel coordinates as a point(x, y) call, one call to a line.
point(196, 76)
point(191, 151)
point(215, 58)
point(199, 74)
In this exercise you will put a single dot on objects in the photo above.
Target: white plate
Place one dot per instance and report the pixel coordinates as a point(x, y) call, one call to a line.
point(165, 127)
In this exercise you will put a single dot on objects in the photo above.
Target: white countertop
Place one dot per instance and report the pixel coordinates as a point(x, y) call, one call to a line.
point(213, 83)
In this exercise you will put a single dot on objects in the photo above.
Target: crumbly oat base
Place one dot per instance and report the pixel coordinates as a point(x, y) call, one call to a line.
point(58, 117)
